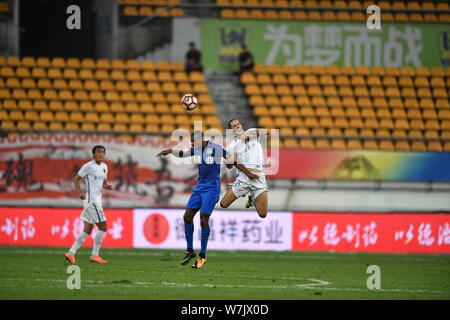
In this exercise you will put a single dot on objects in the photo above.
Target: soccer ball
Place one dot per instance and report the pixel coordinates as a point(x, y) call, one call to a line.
point(189, 102)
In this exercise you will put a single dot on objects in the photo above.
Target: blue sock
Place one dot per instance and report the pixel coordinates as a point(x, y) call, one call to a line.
point(189, 233)
point(205, 237)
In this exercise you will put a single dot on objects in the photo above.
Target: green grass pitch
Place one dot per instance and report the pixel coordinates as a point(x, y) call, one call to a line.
point(41, 273)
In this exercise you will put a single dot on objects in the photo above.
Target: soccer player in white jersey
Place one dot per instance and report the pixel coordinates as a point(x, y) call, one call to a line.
point(94, 173)
point(249, 160)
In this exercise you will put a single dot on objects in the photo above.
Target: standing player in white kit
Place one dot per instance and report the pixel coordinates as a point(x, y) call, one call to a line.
point(249, 160)
point(94, 174)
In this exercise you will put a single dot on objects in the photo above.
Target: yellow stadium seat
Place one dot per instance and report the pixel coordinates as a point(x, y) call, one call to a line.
point(329, 16)
point(242, 14)
point(343, 15)
point(361, 92)
point(73, 63)
point(83, 95)
point(43, 62)
point(386, 145)
point(31, 115)
point(434, 146)
point(28, 62)
point(263, 79)
point(296, 123)
point(370, 144)
point(346, 91)
point(354, 144)
point(439, 93)
point(442, 104)
point(98, 74)
point(271, 14)
point(306, 143)
point(399, 114)
point(23, 72)
point(311, 80)
point(417, 124)
point(330, 91)
point(301, 131)
point(105, 127)
point(342, 80)
point(322, 144)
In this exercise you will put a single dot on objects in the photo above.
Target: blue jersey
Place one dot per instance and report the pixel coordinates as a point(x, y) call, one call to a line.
point(208, 161)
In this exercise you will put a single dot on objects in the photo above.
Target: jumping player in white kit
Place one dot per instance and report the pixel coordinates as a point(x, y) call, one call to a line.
point(249, 160)
point(94, 173)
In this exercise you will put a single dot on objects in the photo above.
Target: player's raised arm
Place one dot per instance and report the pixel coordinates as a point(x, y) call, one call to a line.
point(76, 182)
point(176, 153)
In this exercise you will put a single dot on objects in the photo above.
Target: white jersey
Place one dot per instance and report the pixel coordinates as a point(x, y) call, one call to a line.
point(94, 175)
point(249, 154)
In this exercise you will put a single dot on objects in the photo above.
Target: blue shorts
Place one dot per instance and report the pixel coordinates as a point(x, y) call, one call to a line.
point(205, 200)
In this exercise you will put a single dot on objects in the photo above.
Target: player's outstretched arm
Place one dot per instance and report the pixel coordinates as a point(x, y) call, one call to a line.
point(76, 182)
point(256, 132)
point(176, 153)
point(164, 152)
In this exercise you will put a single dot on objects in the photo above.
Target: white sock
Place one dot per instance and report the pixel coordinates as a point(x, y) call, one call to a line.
point(78, 242)
point(97, 242)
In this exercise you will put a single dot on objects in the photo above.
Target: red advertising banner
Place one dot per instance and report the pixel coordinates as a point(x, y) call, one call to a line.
point(38, 170)
point(59, 227)
point(371, 232)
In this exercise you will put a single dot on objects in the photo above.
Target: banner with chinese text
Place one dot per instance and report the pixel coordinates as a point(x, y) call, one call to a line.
point(322, 43)
point(59, 227)
point(371, 232)
point(230, 230)
point(38, 170)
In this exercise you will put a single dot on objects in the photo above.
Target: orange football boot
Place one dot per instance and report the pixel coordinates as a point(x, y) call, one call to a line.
point(70, 257)
point(97, 259)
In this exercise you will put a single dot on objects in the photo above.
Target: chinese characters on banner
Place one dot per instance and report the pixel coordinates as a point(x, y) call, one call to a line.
point(230, 230)
point(236, 230)
point(372, 232)
point(60, 227)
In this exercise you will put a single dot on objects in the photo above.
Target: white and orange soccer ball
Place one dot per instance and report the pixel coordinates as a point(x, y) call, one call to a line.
point(189, 102)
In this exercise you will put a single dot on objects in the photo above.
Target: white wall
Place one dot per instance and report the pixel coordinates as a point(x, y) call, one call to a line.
point(184, 31)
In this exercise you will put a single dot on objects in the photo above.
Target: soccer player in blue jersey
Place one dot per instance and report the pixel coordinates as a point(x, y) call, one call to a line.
point(206, 193)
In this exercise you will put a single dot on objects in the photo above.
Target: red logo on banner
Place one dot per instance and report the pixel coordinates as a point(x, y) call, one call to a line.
point(156, 228)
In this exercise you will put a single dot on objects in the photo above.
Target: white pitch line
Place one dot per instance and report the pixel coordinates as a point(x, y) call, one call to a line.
point(342, 255)
point(316, 285)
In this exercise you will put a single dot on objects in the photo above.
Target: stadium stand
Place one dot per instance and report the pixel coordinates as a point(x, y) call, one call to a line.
point(99, 95)
point(322, 10)
point(361, 107)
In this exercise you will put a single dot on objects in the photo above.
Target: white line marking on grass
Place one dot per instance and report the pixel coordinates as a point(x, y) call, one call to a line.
point(316, 285)
point(243, 254)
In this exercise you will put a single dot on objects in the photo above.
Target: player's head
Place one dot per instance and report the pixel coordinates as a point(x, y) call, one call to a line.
point(99, 153)
point(196, 138)
point(236, 126)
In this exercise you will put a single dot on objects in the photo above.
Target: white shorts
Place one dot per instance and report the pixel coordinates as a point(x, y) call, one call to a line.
point(244, 185)
point(93, 213)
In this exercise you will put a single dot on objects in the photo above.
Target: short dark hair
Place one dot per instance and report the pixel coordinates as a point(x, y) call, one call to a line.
point(229, 122)
point(98, 147)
